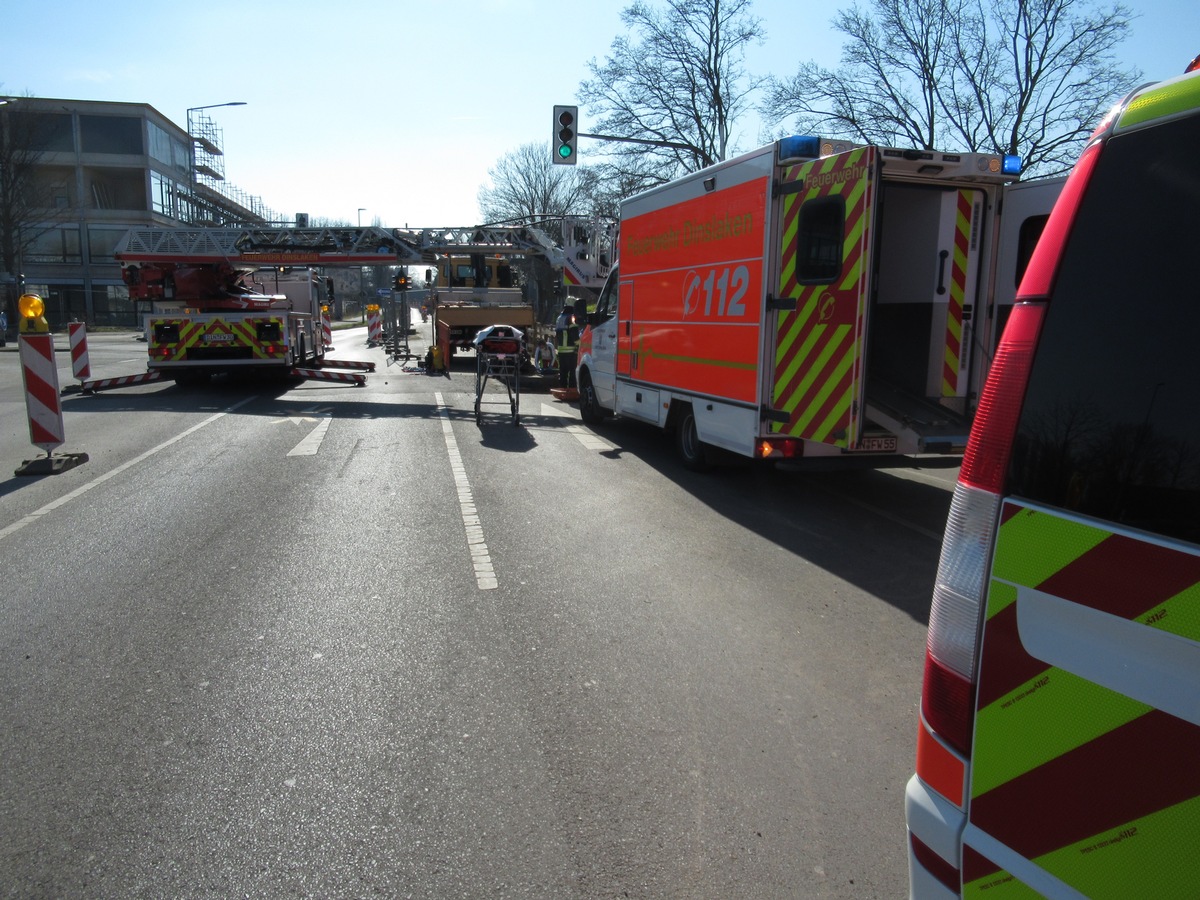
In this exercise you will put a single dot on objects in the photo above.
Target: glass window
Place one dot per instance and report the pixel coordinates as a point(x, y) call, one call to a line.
point(819, 239)
point(55, 245)
point(1111, 422)
point(111, 134)
point(160, 143)
point(167, 149)
point(102, 243)
point(1027, 238)
point(161, 195)
point(606, 306)
point(43, 132)
point(111, 305)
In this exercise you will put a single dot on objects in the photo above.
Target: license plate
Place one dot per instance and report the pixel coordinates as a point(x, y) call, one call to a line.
point(883, 444)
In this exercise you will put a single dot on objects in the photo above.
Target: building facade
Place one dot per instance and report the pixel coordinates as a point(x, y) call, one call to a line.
point(80, 175)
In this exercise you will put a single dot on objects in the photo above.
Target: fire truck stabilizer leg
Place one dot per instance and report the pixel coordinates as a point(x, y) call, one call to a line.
point(355, 378)
point(92, 385)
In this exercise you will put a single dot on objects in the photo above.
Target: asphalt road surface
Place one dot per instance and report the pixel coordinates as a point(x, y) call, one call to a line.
point(316, 640)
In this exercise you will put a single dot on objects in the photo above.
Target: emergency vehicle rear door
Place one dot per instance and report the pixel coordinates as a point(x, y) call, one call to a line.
point(825, 209)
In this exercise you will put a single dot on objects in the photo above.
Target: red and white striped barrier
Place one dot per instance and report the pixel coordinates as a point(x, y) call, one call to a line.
point(81, 366)
point(363, 365)
point(326, 329)
point(324, 375)
point(42, 400)
point(374, 327)
point(100, 384)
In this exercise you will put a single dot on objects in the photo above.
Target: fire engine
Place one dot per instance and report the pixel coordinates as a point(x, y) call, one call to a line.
point(810, 298)
point(208, 293)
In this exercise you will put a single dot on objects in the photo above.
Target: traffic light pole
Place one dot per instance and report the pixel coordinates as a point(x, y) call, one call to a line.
point(628, 140)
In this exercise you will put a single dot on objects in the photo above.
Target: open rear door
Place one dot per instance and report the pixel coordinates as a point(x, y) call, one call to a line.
point(826, 215)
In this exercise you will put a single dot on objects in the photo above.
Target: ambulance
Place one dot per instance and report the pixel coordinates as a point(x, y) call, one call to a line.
point(812, 298)
point(1058, 742)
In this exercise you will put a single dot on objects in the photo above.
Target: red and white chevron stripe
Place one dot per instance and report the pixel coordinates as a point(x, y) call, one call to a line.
point(41, 391)
point(323, 375)
point(81, 366)
point(100, 384)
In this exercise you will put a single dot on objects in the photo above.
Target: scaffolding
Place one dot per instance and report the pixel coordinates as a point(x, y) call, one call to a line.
point(214, 201)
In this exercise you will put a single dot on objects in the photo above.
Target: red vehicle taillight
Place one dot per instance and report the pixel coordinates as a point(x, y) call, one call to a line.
point(960, 589)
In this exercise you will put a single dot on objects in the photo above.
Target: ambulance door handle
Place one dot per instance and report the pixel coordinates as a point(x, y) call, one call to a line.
point(941, 288)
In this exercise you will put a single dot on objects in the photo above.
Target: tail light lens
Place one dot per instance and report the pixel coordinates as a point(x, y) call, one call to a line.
point(952, 647)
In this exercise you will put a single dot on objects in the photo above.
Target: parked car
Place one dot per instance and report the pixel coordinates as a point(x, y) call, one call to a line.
point(1058, 750)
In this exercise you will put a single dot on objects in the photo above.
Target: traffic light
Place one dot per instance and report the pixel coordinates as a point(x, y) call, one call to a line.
point(400, 282)
point(566, 120)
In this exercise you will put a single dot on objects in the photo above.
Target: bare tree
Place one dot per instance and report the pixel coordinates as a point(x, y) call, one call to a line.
point(679, 81)
point(528, 188)
point(526, 184)
point(25, 200)
point(1023, 77)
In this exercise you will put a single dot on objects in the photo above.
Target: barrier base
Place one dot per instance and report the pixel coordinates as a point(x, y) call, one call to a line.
point(51, 465)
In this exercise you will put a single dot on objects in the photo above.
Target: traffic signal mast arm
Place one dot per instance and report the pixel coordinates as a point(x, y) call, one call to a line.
point(653, 143)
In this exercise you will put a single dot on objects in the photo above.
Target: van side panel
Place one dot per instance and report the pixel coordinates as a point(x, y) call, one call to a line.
point(1087, 729)
point(690, 309)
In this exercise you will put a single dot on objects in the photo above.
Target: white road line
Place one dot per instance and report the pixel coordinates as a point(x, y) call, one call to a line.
point(312, 442)
point(481, 560)
point(581, 433)
point(96, 482)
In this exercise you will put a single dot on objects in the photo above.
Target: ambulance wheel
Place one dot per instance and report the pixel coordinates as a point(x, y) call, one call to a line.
point(692, 450)
point(590, 409)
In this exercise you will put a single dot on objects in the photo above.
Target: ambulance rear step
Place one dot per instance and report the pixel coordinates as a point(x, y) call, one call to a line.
point(918, 422)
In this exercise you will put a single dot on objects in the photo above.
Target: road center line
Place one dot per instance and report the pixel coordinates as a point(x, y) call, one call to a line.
point(481, 560)
point(112, 473)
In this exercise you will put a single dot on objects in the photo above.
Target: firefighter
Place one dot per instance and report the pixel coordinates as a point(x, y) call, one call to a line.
point(566, 333)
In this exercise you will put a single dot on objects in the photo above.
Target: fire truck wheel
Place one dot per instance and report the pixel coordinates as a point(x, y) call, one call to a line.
point(691, 449)
point(590, 409)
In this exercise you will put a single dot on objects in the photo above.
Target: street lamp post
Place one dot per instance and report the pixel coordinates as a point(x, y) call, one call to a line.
point(192, 174)
point(362, 275)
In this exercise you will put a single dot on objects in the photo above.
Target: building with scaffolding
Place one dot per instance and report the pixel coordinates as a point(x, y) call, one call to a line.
point(76, 175)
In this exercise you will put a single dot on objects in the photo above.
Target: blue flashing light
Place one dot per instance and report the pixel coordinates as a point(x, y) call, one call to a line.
point(799, 147)
point(1012, 165)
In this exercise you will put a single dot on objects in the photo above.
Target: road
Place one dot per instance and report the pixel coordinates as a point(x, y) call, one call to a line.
point(318, 640)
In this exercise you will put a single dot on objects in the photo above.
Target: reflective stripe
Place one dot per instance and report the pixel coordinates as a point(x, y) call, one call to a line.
point(1087, 729)
point(958, 287)
point(818, 353)
point(1170, 98)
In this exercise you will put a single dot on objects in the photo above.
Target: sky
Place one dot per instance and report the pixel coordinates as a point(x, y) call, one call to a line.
point(394, 112)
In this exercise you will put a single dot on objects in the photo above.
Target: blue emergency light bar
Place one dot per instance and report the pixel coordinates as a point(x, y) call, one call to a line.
point(1011, 165)
point(799, 146)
